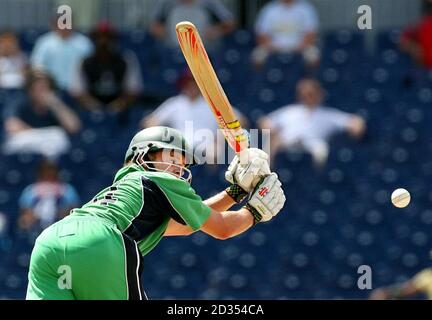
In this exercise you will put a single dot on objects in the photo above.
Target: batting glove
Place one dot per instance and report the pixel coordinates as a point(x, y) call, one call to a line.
point(267, 200)
point(248, 168)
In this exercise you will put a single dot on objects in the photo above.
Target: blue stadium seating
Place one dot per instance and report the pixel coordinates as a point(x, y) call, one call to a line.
point(334, 220)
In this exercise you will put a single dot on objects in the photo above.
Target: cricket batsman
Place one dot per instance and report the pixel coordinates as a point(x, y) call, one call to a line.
point(96, 251)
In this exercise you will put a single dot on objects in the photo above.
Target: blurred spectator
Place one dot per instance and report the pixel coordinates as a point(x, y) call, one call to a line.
point(47, 200)
point(190, 113)
point(286, 26)
point(427, 6)
point(58, 53)
point(211, 18)
point(308, 125)
point(13, 63)
point(107, 78)
point(416, 40)
point(40, 120)
point(421, 283)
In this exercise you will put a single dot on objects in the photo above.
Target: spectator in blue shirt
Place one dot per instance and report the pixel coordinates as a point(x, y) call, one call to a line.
point(47, 200)
point(59, 52)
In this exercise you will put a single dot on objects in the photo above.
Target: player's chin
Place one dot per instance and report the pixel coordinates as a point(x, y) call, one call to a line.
point(175, 173)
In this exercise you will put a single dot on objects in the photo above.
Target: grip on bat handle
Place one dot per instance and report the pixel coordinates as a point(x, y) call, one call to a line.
point(242, 140)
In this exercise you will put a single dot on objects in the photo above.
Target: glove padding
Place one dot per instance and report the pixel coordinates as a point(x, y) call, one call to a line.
point(267, 199)
point(248, 168)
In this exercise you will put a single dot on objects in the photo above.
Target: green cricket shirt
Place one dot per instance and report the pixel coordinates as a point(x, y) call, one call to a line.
point(142, 202)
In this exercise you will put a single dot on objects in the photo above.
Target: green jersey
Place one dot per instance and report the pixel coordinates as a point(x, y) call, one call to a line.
point(141, 203)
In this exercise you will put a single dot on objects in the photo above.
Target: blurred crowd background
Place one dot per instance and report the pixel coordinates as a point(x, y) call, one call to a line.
point(348, 110)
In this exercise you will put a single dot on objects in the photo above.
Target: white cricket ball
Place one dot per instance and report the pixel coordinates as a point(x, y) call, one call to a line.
point(400, 198)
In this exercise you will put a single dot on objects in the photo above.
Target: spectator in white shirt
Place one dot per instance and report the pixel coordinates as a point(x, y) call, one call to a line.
point(309, 125)
point(40, 121)
point(59, 52)
point(189, 113)
point(209, 16)
point(13, 64)
point(286, 26)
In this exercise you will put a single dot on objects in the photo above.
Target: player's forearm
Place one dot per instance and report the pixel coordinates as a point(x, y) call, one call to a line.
point(176, 229)
point(237, 222)
point(227, 224)
point(400, 291)
point(220, 202)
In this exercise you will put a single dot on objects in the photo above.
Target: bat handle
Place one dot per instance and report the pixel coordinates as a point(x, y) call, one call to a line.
point(242, 140)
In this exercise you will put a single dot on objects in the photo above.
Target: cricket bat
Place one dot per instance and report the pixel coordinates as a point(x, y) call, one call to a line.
point(209, 85)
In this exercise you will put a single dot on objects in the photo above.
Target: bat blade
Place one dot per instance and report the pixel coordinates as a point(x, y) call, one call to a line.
point(199, 63)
